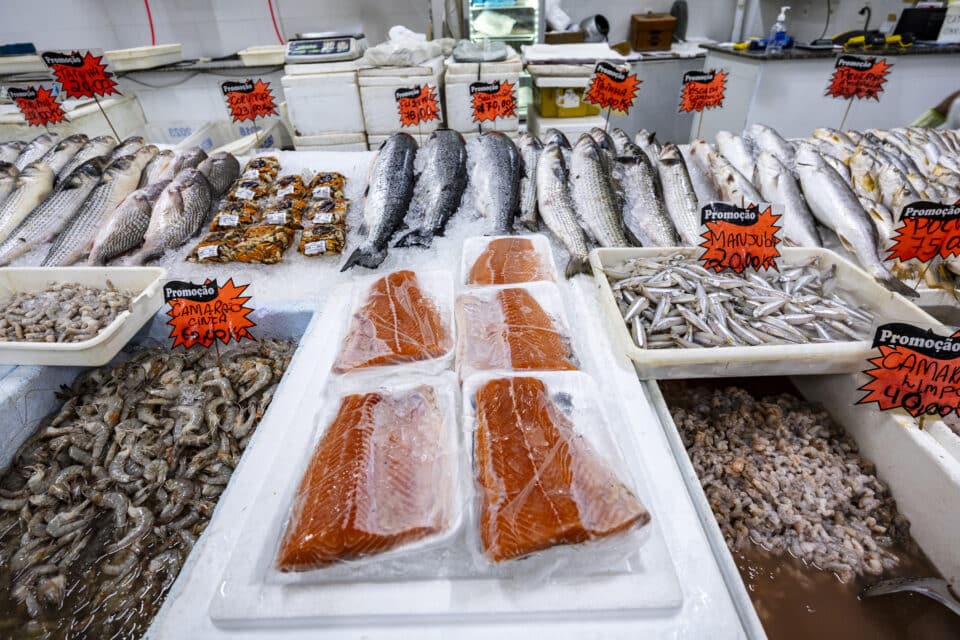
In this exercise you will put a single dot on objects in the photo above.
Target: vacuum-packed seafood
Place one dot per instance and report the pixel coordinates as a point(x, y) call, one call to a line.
point(509, 261)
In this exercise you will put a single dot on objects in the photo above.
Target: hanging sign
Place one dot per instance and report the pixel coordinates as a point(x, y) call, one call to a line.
point(201, 314)
point(37, 105)
point(927, 230)
point(738, 238)
point(917, 370)
point(612, 88)
point(858, 77)
point(417, 105)
point(492, 100)
point(80, 75)
point(249, 99)
point(703, 90)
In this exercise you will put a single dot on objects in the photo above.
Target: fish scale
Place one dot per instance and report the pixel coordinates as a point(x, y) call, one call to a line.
point(556, 208)
point(125, 228)
point(678, 195)
point(778, 185)
point(8, 179)
point(34, 183)
point(178, 214)
point(221, 169)
point(95, 148)
point(645, 217)
point(495, 177)
point(593, 194)
point(36, 149)
point(63, 152)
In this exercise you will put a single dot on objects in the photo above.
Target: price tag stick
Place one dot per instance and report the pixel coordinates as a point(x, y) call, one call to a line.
point(699, 124)
point(846, 113)
point(100, 106)
point(256, 132)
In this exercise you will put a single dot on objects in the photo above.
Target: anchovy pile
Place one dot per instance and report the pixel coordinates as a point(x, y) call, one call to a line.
point(67, 312)
point(101, 507)
point(673, 301)
point(779, 473)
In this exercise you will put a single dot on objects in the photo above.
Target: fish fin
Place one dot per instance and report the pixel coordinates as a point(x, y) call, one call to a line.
point(370, 260)
point(531, 225)
point(417, 237)
point(577, 265)
point(892, 283)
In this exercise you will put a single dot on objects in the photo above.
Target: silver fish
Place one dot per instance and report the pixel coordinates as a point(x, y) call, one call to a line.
point(621, 140)
point(697, 157)
point(128, 146)
point(495, 179)
point(10, 151)
point(530, 150)
point(189, 159)
point(36, 149)
point(556, 208)
point(678, 195)
point(388, 195)
point(777, 185)
point(46, 221)
point(735, 187)
point(221, 169)
point(833, 136)
point(178, 214)
point(158, 166)
point(645, 217)
point(835, 206)
point(647, 140)
point(125, 228)
point(442, 163)
point(736, 150)
point(96, 147)
point(603, 140)
point(62, 153)
point(557, 137)
point(34, 183)
point(593, 194)
point(119, 179)
point(766, 139)
point(8, 179)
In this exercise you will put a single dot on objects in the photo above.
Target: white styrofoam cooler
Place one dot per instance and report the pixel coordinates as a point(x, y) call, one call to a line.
point(570, 127)
point(457, 80)
point(139, 58)
point(340, 141)
point(323, 103)
point(124, 112)
point(378, 86)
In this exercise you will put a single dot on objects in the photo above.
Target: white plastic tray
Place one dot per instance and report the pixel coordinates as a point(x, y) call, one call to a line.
point(474, 247)
point(793, 359)
point(144, 57)
point(145, 283)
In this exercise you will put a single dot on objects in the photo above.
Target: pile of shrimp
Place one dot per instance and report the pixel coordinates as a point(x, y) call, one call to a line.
point(101, 506)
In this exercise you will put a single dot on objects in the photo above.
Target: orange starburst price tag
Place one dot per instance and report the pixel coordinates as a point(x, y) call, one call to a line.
point(612, 88)
point(249, 99)
point(37, 105)
point(81, 76)
point(417, 105)
point(492, 100)
point(917, 370)
point(927, 230)
point(738, 238)
point(703, 90)
point(201, 314)
point(858, 77)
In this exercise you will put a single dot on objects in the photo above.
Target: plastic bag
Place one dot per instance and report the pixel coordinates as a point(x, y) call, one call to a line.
point(326, 212)
point(405, 48)
point(261, 168)
point(507, 260)
point(235, 214)
point(263, 244)
point(290, 185)
point(331, 179)
point(216, 247)
point(322, 240)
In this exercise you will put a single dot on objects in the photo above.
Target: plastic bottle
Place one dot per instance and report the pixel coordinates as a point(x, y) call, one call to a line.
point(778, 33)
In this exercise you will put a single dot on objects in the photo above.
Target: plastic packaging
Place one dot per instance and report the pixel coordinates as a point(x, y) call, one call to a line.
point(324, 239)
point(331, 179)
point(234, 214)
point(288, 185)
point(215, 247)
point(513, 328)
point(550, 482)
point(402, 317)
point(326, 212)
point(262, 243)
point(506, 260)
point(778, 33)
point(384, 479)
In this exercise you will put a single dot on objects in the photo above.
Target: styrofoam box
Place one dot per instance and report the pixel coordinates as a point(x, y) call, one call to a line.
point(457, 80)
point(212, 135)
point(144, 282)
point(377, 95)
point(791, 359)
point(263, 56)
point(124, 112)
point(22, 64)
point(570, 127)
point(270, 134)
point(323, 103)
point(144, 57)
point(356, 141)
point(171, 133)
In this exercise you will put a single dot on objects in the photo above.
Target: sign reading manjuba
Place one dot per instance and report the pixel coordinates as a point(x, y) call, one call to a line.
point(927, 230)
point(738, 238)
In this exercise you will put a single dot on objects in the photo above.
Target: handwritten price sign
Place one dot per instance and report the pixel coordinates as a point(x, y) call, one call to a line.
point(492, 100)
point(37, 105)
point(927, 230)
point(201, 314)
point(738, 238)
point(612, 88)
point(917, 370)
point(858, 77)
point(703, 90)
point(248, 99)
point(80, 76)
point(417, 105)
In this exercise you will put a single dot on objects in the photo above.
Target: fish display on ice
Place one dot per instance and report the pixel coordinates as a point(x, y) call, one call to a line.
point(495, 170)
point(125, 228)
point(33, 185)
point(180, 210)
point(530, 150)
point(593, 193)
point(557, 211)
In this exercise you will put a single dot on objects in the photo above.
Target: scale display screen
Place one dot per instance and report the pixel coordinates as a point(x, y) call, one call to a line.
point(333, 46)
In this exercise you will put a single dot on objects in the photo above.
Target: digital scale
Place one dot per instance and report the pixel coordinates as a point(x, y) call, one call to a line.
point(328, 46)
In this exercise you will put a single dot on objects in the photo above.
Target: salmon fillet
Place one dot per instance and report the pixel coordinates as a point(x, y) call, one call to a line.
point(515, 333)
point(375, 482)
point(396, 324)
point(541, 484)
point(508, 261)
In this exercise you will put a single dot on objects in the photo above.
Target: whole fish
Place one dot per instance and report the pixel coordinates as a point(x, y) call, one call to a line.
point(530, 150)
point(96, 147)
point(777, 185)
point(8, 179)
point(895, 190)
point(10, 151)
point(178, 214)
point(495, 180)
point(125, 228)
point(36, 148)
point(34, 183)
point(736, 150)
point(119, 179)
point(834, 136)
point(189, 159)
point(52, 214)
point(157, 167)
point(388, 195)
point(645, 217)
point(62, 153)
point(557, 137)
point(863, 174)
point(621, 140)
point(221, 169)
point(766, 139)
point(647, 140)
point(556, 208)
point(678, 195)
point(593, 194)
point(439, 186)
point(697, 157)
point(882, 219)
point(836, 207)
point(735, 187)
point(603, 140)
point(128, 146)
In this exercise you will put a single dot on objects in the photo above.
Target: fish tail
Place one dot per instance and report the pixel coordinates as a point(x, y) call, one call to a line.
point(418, 237)
point(530, 224)
point(577, 265)
point(368, 259)
point(892, 283)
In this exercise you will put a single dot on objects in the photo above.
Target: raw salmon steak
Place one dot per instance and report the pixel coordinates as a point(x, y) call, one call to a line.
point(398, 323)
point(541, 484)
point(375, 482)
point(509, 330)
point(509, 261)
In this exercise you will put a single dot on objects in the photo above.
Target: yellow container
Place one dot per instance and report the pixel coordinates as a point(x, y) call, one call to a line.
point(563, 102)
